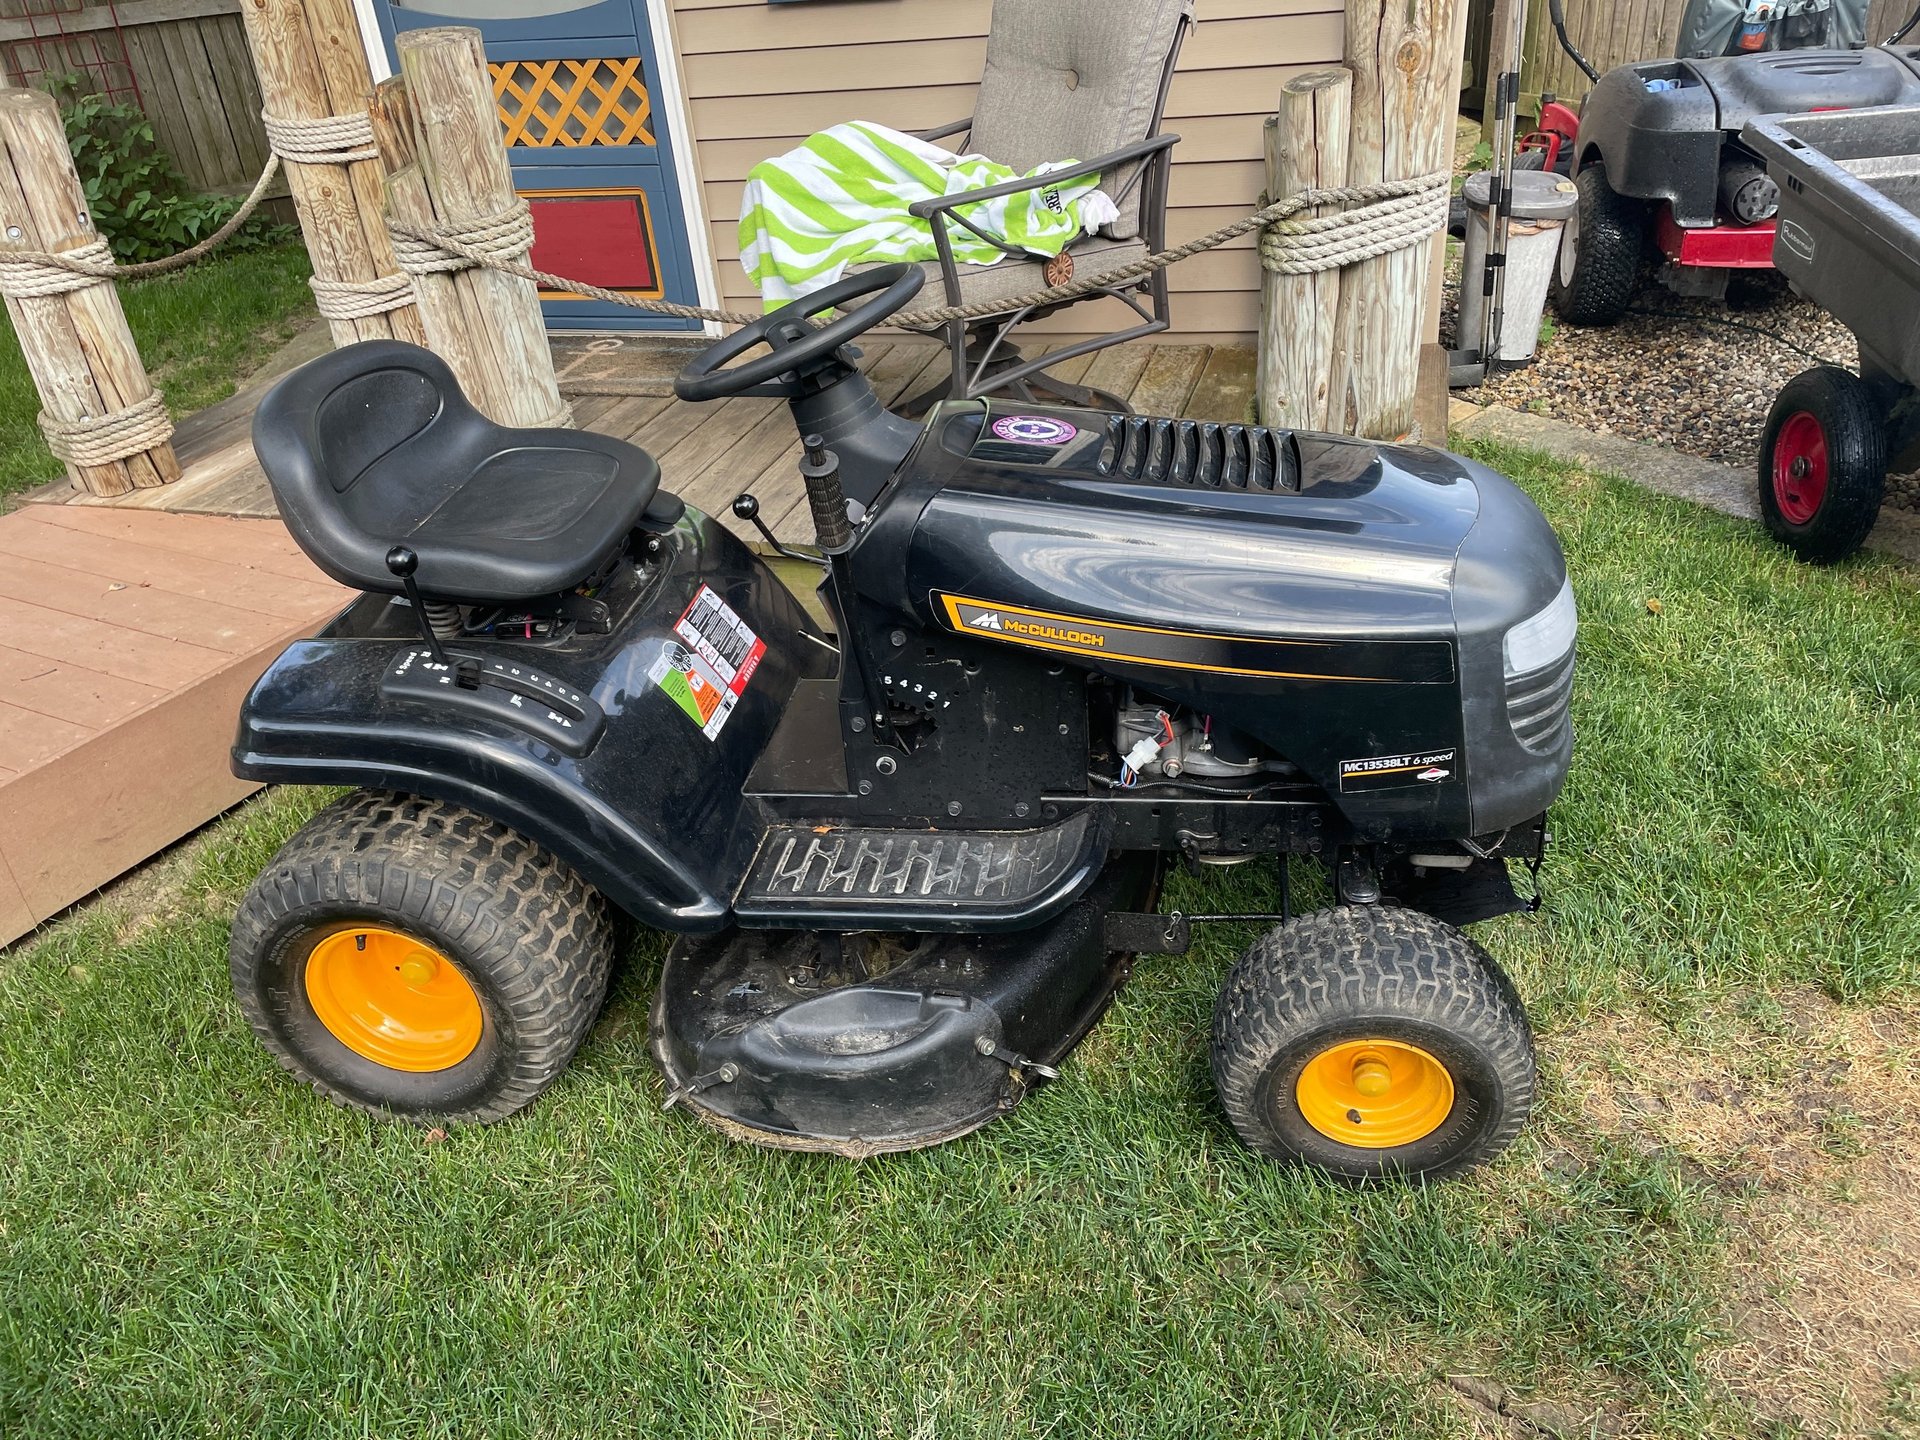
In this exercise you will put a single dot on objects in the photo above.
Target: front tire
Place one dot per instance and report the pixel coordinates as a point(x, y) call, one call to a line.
point(1823, 464)
point(1370, 1041)
point(1600, 252)
point(412, 958)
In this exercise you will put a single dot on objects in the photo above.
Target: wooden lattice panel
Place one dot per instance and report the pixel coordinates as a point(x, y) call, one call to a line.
point(573, 102)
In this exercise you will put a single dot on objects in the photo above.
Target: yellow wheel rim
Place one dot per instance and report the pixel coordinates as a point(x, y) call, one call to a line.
point(393, 999)
point(1375, 1094)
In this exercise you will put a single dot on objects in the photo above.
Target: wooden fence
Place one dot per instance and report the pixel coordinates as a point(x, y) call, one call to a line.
point(1608, 33)
point(188, 58)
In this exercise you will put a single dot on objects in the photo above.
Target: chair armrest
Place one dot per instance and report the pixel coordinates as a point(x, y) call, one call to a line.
point(943, 131)
point(926, 209)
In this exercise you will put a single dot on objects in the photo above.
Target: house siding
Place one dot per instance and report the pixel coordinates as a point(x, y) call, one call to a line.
point(760, 78)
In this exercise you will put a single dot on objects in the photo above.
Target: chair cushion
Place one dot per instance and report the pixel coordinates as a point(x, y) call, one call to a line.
point(374, 446)
point(1014, 277)
point(1071, 79)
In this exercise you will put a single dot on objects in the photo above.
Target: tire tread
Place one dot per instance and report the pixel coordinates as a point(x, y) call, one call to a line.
point(1362, 962)
point(1612, 239)
point(541, 931)
point(1855, 433)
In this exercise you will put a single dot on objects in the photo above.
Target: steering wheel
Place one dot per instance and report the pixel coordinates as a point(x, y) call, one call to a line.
point(798, 346)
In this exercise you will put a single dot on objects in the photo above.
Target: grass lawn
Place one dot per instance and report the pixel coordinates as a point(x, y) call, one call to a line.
point(1708, 1229)
point(200, 331)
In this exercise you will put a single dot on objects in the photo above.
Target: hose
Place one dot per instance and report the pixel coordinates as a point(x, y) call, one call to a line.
point(1558, 14)
point(1775, 336)
point(1901, 33)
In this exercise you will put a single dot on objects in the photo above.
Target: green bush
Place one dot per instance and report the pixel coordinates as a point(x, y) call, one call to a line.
point(142, 206)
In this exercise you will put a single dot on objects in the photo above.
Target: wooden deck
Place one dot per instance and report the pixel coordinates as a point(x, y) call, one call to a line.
point(137, 623)
point(131, 638)
point(708, 453)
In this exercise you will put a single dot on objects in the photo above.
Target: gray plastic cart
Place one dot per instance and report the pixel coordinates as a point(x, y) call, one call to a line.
point(1848, 239)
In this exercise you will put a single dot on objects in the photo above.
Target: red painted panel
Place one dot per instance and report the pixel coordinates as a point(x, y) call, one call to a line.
point(601, 239)
point(1724, 245)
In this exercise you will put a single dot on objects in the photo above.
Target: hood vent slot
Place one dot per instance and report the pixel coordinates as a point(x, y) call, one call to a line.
point(1195, 452)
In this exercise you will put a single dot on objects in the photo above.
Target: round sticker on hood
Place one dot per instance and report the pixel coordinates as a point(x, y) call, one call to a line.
point(1034, 430)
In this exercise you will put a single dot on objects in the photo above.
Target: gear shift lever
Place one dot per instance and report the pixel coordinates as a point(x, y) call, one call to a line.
point(402, 561)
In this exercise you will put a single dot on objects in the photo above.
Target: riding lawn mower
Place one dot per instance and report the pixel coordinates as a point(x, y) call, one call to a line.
point(1656, 150)
point(908, 855)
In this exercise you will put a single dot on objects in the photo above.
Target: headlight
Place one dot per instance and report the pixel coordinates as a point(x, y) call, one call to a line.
point(1544, 636)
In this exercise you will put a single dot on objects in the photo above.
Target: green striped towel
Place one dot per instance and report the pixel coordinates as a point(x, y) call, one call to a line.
point(841, 199)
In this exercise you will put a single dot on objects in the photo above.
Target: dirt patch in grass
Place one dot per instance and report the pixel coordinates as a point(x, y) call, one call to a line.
point(1806, 1114)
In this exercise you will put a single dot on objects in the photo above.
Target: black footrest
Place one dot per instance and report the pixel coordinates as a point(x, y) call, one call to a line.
point(818, 876)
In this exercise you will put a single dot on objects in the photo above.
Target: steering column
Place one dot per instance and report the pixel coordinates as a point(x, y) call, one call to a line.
point(813, 368)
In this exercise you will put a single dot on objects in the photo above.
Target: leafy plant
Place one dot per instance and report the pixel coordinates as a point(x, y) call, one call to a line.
point(141, 204)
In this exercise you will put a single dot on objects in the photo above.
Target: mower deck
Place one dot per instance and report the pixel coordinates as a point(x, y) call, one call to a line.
point(869, 1043)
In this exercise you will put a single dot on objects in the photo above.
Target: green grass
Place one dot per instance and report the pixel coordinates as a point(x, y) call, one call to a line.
point(200, 330)
point(195, 1245)
point(1746, 785)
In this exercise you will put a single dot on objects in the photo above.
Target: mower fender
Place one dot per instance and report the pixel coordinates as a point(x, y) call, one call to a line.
point(1659, 145)
point(646, 802)
point(632, 867)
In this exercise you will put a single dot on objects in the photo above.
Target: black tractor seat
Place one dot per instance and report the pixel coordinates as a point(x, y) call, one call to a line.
point(374, 446)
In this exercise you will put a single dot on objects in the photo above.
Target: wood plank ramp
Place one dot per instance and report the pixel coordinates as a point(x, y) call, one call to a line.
point(133, 635)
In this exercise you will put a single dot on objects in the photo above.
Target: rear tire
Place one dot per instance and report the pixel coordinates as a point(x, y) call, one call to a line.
point(1325, 1008)
point(1823, 464)
point(1600, 252)
point(412, 958)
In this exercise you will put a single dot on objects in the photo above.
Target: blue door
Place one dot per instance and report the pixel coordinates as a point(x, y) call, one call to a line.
point(575, 81)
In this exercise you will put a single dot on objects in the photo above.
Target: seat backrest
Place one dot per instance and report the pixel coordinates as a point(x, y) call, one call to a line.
point(332, 423)
point(1071, 79)
point(370, 415)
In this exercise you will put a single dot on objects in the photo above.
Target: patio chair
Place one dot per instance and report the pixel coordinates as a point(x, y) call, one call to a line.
point(1085, 80)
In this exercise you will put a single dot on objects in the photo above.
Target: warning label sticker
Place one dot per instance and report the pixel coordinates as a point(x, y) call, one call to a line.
point(721, 638)
point(707, 675)
point(1384, 772)
point(694, 688)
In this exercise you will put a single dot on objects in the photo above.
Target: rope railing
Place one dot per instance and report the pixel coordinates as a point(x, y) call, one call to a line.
point(102, 439)
point(1389, 215)
point(1370, 220)
point(1378, 218)
point(321, 140)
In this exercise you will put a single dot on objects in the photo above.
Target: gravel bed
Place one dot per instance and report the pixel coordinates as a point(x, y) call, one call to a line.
point(1693, 375)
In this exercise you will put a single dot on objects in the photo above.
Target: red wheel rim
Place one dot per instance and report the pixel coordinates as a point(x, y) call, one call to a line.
point(1800, 468)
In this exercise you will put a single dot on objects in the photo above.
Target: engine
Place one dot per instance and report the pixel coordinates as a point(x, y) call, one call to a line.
point(1154, 742)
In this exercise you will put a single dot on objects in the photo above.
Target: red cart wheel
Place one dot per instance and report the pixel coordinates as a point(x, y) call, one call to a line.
point(1800, 467)
point(1823, 468)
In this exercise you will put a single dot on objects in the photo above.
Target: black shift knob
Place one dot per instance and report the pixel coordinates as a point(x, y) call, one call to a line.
point(402, 561)
point(745, 507)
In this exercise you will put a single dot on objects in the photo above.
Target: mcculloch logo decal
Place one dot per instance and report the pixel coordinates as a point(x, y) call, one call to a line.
point(1037, 630)
point(1384, 772)
point(1398, 662)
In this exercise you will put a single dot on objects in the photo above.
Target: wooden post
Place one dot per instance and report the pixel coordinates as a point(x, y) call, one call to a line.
point(76, 343)
point(1501, 38)
point(1399, 52)
point(1306, 149)
point(313, 65)
point(443, 314)
point(503, 361)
